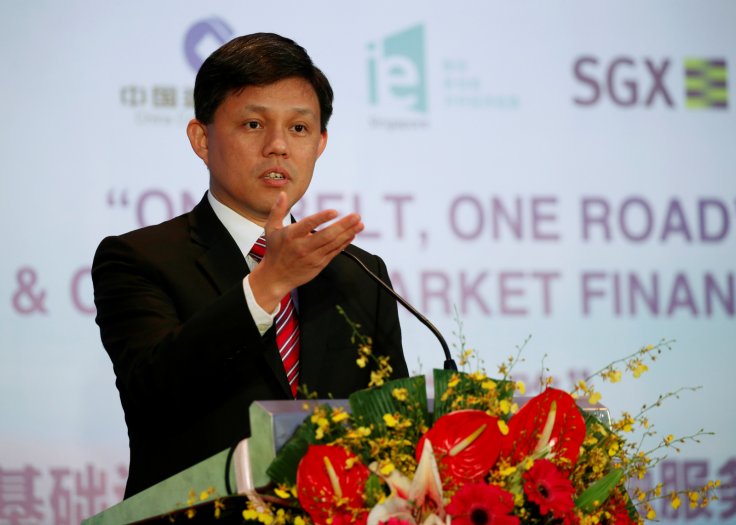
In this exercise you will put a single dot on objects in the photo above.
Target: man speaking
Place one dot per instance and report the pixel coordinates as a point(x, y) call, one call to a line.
point(236, 301)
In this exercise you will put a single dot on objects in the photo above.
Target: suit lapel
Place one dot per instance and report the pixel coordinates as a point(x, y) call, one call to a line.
point(315, 298)
point(221, 259)
point(223, 262)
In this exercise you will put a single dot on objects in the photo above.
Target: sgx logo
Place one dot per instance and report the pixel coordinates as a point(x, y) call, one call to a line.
point(397, 71)
point(626, 82)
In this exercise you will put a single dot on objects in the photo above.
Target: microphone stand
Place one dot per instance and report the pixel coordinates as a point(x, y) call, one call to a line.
point(449, 361)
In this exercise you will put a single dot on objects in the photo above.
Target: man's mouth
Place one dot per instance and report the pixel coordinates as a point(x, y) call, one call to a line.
point(274, 176)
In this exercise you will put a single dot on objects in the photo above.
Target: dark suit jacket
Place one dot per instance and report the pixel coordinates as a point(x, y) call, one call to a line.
point(187, 355)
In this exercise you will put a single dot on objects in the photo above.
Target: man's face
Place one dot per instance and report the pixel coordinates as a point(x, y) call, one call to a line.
point(262, 140)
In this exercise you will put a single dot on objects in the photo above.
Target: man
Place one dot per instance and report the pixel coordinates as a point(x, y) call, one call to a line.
point(189, 309)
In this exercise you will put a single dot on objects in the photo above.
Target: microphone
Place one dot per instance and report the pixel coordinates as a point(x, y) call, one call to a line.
point(449, 361)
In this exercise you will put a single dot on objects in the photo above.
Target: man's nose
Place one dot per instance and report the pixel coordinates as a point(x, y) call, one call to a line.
point(276, 143)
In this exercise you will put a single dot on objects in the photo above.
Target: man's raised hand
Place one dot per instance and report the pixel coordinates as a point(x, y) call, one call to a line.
point(296, 253)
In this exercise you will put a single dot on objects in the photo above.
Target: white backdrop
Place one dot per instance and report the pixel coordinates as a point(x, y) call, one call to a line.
point(540, 167)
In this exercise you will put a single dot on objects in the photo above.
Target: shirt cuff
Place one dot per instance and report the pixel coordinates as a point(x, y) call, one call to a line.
point(262, 318)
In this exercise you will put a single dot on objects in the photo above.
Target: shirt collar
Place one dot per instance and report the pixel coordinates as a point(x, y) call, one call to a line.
point(242, 230)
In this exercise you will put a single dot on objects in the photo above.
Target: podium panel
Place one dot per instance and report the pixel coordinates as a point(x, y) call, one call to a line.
point(231, 474)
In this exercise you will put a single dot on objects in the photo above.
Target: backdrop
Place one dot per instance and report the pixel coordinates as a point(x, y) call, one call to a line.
point(559, 170)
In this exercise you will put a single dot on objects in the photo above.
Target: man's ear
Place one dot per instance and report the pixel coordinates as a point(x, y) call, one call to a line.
point(322, 143)
point(197, 133)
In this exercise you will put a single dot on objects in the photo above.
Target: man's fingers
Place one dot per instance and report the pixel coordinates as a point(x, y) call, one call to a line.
point(336, 244)
point(276, 216)
point(341, 241)
point(339, 234)
point(296, 253)
point(305, 226)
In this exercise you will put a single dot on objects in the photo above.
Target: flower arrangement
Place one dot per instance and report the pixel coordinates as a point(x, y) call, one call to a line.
point(476, 457)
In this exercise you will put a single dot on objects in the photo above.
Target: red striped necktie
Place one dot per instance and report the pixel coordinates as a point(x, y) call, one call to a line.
point(287, 327)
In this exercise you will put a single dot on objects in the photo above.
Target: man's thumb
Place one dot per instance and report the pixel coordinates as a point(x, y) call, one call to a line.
point(278, 212)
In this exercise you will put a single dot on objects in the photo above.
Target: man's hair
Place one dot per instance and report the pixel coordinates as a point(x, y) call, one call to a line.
point(256, 60)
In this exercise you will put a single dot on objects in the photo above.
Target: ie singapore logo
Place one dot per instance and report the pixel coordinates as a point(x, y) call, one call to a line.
point(203, 38)
point(397, 71)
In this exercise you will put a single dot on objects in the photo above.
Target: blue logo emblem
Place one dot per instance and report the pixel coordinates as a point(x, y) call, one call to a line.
point(203, 38)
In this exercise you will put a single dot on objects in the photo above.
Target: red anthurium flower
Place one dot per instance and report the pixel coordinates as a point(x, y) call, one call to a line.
point(552, 417)
point(343, 519)
point(480, 504)
point(466, 444)
point(549, 488)
point(330, 483)
point(618, 509)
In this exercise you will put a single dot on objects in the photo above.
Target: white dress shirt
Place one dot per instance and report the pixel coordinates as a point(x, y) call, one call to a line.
point(245, 233)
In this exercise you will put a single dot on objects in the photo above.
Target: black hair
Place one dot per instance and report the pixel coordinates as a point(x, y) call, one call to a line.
point(256, 60)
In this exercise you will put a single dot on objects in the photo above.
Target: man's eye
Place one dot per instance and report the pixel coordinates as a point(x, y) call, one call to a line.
point(253, 124)
point(300, 128)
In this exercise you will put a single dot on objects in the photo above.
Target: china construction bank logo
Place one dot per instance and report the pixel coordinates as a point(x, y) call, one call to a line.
point(171, 102)
point(696, 83)
point(204, 37)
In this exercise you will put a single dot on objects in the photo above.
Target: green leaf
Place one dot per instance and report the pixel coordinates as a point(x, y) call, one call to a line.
point(374, 490)
point(467, 387)
point(598, 492)
point(369, 406)
point(283, 467)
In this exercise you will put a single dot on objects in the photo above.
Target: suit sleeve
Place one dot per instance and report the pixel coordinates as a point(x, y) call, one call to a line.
point(158, 348)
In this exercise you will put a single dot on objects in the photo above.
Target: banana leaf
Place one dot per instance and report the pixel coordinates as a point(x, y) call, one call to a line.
point(370, 405)
point(468, 386)
point(598, 492)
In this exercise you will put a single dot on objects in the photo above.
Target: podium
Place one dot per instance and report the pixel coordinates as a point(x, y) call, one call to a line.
point(228, 477)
